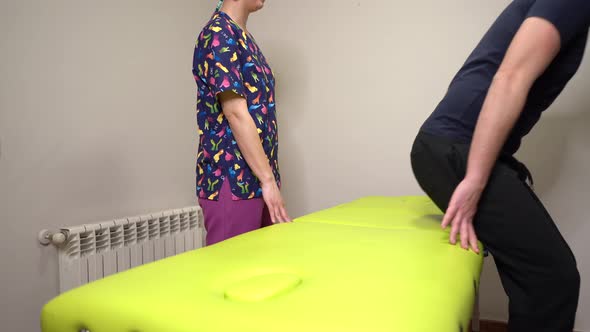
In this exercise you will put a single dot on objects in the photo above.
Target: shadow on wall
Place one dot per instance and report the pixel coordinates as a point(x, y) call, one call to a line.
point(286, 60)
point(547, 153)
point(544, 150)
point(556, 154)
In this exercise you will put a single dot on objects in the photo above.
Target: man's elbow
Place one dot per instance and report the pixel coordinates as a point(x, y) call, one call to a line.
point(513, 79)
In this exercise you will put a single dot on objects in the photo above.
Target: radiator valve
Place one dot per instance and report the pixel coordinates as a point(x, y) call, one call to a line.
point(47, 237)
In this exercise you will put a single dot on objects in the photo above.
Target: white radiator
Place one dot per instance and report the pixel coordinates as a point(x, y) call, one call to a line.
point(90, 252)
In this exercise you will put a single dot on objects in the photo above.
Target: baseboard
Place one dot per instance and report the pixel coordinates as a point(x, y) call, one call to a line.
point(494, 326)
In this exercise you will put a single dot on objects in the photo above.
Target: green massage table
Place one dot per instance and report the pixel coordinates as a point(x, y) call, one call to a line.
point(376, 264)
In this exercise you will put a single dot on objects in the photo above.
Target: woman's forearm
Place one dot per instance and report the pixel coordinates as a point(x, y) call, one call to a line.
point(246, 134)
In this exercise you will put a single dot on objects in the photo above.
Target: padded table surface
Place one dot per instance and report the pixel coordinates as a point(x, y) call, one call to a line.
point(375, 264)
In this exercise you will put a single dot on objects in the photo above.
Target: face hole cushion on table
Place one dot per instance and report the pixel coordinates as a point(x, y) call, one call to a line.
point(374, 264)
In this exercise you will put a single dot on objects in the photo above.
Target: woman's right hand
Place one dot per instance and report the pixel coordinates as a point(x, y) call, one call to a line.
point(242, 124)
point(274, 201)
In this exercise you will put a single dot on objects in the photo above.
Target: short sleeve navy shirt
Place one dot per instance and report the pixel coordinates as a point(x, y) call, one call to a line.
point(456, 115)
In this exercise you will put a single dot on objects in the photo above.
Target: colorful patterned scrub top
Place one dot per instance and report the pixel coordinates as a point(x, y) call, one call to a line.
point(226, 58)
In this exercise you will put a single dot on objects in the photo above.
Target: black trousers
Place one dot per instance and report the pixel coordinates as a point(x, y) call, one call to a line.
point(536, 266)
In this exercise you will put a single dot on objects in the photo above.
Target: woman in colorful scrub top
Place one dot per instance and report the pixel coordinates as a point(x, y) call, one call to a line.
point(238, 181)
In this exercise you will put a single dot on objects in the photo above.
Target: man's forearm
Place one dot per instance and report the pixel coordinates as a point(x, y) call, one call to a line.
point(533, 48)
point(502, 108)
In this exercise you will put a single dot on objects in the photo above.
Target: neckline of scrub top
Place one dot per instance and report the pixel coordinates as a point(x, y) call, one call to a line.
point(226, 15)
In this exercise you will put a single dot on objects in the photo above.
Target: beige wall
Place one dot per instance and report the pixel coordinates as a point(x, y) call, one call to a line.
point(97, 120)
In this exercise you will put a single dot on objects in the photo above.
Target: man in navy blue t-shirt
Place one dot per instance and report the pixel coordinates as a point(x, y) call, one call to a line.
point(463, 155)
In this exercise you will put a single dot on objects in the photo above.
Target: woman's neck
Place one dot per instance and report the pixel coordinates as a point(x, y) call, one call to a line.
point(237, 14)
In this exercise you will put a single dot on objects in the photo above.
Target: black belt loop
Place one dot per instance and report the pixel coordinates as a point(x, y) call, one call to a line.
point(523, 172)
point(528, 175)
